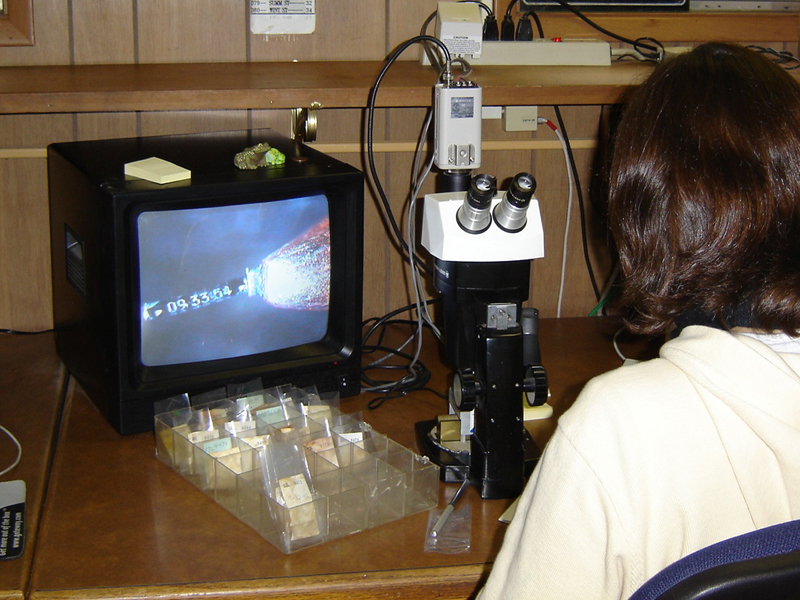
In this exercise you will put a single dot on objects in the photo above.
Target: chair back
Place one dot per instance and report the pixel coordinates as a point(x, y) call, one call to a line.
point(761, 564)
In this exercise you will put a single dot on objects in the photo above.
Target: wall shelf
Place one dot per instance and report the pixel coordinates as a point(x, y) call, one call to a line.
point(346, 84)
point(214, 86)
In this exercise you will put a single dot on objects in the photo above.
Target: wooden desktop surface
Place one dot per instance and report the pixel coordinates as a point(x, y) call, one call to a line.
point(31, 378)
point(119, 524)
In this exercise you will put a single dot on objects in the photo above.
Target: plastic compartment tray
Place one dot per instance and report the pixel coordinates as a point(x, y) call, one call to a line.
point(359, 478)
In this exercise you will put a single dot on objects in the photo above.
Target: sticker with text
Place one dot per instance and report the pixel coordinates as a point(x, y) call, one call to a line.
point(282, 17)
point(12, 519)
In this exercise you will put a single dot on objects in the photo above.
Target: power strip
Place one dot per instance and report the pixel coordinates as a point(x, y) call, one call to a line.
point(545, 52)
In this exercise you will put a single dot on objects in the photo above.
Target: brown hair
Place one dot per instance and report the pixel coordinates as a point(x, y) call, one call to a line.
point(704, 193)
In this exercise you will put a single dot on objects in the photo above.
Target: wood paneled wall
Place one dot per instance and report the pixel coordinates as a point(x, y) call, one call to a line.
point(180, 31)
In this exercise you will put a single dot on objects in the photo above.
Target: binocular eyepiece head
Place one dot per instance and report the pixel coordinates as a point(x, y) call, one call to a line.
point(476, 215)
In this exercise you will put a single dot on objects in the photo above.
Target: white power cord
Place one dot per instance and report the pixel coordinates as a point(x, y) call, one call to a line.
point(19, 451)
point(571, 181)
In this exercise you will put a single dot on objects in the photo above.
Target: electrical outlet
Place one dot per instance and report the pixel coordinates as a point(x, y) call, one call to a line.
point(520, 118)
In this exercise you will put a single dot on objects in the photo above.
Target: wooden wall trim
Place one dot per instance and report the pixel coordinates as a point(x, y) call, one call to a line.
point(16, 26)
point(379, 147)
point(23, 153)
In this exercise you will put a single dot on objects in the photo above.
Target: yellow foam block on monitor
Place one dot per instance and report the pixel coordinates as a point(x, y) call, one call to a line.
point(157, 170)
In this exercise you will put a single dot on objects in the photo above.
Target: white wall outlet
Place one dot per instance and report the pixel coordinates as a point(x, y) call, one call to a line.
point(492, 112)
point(520, 118)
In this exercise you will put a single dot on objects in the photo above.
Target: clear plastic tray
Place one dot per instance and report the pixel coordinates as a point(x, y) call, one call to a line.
point(298, 472)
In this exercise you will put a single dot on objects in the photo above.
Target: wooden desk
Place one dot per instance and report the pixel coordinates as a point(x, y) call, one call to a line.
point(119, 524)
point(31, 378)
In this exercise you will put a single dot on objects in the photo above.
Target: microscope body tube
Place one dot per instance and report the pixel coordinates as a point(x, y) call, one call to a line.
point(482, 333)
point(467, 289)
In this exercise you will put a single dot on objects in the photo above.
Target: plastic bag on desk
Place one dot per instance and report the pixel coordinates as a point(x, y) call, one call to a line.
point(297, 511)
point(455, 535)
point(179, 404)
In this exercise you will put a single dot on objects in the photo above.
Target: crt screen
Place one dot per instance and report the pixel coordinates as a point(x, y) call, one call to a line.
point(232, 281)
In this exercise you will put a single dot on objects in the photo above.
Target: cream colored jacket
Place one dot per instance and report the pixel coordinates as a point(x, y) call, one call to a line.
point(654, 461)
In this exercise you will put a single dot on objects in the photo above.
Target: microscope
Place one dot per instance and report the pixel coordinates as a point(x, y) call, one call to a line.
point(482, 242)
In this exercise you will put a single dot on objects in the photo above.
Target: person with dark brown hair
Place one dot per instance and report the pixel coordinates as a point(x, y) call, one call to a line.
point(705, 194)
point(661, 458)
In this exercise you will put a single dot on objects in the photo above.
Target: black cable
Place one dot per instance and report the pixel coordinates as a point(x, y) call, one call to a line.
point(427, 22)
point(581, 209)
point(653, 50)
point(537, 21)
point(574, 168)
point(387, 318)
point(524, 31)
point(429, 51)
point(779, 57)
point(18, 332)
point(418, 375)
point(490, 30)
point(507, 29)
point(489, 12)
point(415, 380)
point(507, 25)
point(370, 148)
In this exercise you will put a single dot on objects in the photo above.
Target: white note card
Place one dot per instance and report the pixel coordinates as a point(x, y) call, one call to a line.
point(283, 17)
point(157, 170)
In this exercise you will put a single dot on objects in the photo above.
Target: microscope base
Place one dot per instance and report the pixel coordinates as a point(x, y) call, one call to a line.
point(453, 465)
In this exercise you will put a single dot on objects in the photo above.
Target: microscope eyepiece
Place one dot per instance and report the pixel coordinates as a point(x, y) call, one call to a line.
point(521, 189)
point(510, 213)
point(475, 216)
point(481, 190)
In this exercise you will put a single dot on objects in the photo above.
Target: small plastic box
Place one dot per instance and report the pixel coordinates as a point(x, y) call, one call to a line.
point(352, 478)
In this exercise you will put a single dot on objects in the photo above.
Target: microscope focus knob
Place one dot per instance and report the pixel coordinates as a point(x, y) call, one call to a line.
point(535, 385)
point(466, 389)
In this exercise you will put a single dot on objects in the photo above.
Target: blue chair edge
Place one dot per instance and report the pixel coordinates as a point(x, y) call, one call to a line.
point(773, 540)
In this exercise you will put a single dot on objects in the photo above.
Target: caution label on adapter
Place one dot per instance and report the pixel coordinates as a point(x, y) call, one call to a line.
point(12, 519)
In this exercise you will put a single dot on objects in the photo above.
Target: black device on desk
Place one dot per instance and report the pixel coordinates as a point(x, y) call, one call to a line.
point(231, 277)
point(482, 243)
